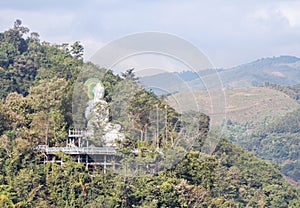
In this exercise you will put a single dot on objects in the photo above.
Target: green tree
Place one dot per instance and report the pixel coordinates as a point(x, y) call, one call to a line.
point(15, 36)
point(77, 50)
point(129, 75)
point(48, 123)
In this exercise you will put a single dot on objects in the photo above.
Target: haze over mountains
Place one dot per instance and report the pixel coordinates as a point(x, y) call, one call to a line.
point(283, 70)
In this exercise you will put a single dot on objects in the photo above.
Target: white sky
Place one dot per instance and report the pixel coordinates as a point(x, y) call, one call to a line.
point(229, 32)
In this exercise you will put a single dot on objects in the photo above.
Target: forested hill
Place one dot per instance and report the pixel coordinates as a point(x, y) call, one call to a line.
point(36, 100)
point(25, 60)
point(277, 141)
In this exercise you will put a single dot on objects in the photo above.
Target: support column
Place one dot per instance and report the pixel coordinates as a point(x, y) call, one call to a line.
point(104, 164)
point(114, 163)
point(86, 162)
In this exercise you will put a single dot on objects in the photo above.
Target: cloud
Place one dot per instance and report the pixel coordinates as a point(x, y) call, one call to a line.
point(229, 32)
point(91, 46)
point(291, 13)
point(48, 24)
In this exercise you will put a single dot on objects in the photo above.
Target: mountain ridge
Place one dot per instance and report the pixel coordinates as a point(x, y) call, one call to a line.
point(283, 70)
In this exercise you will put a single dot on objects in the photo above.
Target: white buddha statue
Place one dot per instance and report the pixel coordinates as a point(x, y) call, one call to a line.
point(97, 111)
point(98, 92)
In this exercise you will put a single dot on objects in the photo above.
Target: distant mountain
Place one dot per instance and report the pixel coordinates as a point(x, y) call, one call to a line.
point(283, 70)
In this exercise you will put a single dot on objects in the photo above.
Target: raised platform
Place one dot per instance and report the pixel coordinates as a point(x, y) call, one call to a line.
point(78, 150)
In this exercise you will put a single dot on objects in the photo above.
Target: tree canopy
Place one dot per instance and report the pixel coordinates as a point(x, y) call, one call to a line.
point(37, 80)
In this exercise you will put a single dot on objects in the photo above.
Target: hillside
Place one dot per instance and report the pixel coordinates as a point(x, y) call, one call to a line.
point(276, 140)
point(262, 120)
point(38, 80)
point(245, 104)
point(283, 70)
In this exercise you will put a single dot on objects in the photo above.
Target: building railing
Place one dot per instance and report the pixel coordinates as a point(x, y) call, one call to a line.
point(78, 150)
point(76, 133)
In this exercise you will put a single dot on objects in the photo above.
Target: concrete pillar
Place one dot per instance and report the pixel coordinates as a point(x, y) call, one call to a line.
point(104, 164)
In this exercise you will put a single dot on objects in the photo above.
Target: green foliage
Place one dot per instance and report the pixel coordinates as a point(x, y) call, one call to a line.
point(48, 122)
point(229, 178)
point(77, 50)
point(35, 108)
point(197, 168)
point(276, 140)
point(25, 61)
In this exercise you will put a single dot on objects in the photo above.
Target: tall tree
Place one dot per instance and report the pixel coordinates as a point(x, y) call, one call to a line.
point(48, 123)
point(129, 75)
point(15, 36)
point(77, 50)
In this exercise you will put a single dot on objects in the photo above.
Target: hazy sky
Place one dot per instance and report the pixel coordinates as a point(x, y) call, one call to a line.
point(228, 32)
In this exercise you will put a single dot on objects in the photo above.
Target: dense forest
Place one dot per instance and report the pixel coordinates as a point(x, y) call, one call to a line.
point(37, 83)
point(275, 139)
